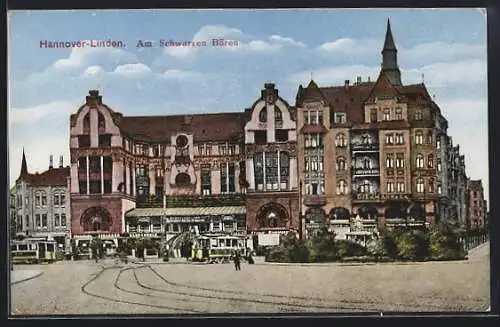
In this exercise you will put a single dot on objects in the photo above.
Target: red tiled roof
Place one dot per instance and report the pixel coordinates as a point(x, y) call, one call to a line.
point(51, 177)
point(348, 99)
point(313, 129)
point(393, 124)
point(205, 127)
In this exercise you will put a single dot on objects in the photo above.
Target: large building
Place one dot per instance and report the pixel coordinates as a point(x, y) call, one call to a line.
point(375, 150)
point(42, 205)
point(477, 205)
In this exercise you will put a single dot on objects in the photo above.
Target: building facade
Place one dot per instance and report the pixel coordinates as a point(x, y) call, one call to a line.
point(42, 202)
point(477, 205)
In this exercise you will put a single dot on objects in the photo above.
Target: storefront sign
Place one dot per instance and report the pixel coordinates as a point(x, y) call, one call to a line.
point(168, 220)
point(381, 197)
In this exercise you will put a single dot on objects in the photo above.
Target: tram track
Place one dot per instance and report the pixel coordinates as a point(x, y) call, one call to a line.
point(353, 304)
point(84, 290)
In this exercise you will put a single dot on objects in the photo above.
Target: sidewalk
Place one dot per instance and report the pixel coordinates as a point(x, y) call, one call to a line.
point(18, 276)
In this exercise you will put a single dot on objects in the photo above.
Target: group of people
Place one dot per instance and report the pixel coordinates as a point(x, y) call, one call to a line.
point(237, 259)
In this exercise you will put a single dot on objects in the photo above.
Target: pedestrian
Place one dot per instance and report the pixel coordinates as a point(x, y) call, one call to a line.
point(237, 260)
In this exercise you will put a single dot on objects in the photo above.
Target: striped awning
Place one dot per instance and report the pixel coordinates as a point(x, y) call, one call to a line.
point(193, 211)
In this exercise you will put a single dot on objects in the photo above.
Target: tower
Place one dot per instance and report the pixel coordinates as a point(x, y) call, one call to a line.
point(390, 58)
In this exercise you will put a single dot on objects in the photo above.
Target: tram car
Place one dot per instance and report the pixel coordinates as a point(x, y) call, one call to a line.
point(217, 248)
point(33, 251)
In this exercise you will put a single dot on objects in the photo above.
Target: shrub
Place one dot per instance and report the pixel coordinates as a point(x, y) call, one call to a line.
point(385, 245)
point(298, 252)
point(412, 245)
point(350, 249)
point(444, 244)
point(277, 254)
point(323, 247)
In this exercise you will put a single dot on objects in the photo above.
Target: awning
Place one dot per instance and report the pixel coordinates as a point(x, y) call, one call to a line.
point(186, 212)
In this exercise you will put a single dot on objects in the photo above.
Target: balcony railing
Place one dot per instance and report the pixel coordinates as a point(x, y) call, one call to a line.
point(364, 171)
point(365, 146)
point(314, 200)
point(222, 200)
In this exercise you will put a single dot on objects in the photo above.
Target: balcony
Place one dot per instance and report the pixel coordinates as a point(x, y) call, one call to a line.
point(221, 200)
point(366, 172)
point(314, 200)
point(377, 197)
point(365, 147)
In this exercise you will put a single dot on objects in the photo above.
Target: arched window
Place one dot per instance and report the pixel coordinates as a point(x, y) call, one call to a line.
point(429, 137)
point(399, 113)
point(182, 179)
point(366, 187)
point(419, 137)
point(430, 161)
point(86, 124)
point(420, 185)
point(366, 139)
point(341, 163)
point(431, 185)
point(367, 163)
point(101, 123)
point(341, 187)
point(263, 115)
point(277, 115)
point(420, 161)
point(340, 140)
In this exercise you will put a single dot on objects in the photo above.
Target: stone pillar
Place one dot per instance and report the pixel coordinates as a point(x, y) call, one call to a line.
point(88, 174)
point(117, 175)
point(293, 173)
point(250, 173)
point(102, 175)
point(94, 132)
point(270, 123)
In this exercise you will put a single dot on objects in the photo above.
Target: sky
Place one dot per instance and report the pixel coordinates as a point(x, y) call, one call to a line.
point(287, 47)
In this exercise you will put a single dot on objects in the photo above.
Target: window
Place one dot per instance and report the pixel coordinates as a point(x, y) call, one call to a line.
point(365, 187)
point(389, 138)
point(400, 186)
point(439, 165)
point(366, 139)
point(440, 190)
point(400, 161)
point(104, 140)
point(284, 170)
point(399, 139)
point(263, 115)
point(431, 185)
point(38, 220)
point(420, 185)
point(420, 161)
point(271, 170)
point(158, 150)
point(341, 141)
point(387, 114)
point(341, 187)
point(227, 184)
point(222, 149)
point(281, 135)
point(84, 141)
point(418, 114)
point(44, 220)
point(429, 137)
point(438, 144)
point(366, 163)
point(259, 170)
point(206, 182)
point(56, 220)
point(340, 118)
point(27, 221)
point(182, 179)
point(373, 115)
point(399, 113)
point(389, 161)
point(278, 117)
point(37, 199)
point(390, 187)
point(86, 124)
point(313, 117)
point(419, 137)
point(314, 140)
point(260, 137)
point(101, 123)
point(201, 150)
point(56, 200)
point(430, 161)
point(341, 163)
point(44, 199)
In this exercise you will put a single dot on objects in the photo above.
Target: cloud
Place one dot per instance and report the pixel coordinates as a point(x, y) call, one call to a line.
point(93, 71)
point(286, 41)
point(43, 111)
point(180, 74)
point(132, 69)
point(349, 46)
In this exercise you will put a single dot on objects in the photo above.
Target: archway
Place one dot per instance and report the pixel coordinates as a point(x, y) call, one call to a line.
point(394, 212)
point(368, 212)
point(96, 219)
point(272, 215)
point(418, 212)
point(340, 213)
point(316, 215)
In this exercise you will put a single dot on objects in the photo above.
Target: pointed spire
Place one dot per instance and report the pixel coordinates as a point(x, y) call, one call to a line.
point(24, 167)
point(312, 84)
point(389, 44)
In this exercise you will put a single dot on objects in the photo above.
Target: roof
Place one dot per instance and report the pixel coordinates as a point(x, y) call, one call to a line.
point(195, 211)
point(349, 99)
point(204, 127)
point(389, 40)
point(51, 177)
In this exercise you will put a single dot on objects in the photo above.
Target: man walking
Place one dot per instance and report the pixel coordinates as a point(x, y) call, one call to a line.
point(237, 260)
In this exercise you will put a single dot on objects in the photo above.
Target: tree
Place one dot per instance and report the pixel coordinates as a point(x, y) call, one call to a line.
point(412, 245)
point(323, 247)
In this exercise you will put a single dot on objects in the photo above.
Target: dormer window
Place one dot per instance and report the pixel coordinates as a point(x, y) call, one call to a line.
point(277, 115)
point(86, 124)
point(373, 115)
point(101, 123)
point(263, 115)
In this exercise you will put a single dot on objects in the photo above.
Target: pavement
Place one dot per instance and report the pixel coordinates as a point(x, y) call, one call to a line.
point(18, 276)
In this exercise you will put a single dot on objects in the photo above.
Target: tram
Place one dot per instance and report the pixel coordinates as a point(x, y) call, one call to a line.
point(33, 251)
point(217, 248)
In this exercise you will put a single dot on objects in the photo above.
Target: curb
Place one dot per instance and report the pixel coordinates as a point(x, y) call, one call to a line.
point(26, 279)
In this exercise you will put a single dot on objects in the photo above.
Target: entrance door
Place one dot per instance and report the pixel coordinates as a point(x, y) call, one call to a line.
point(41, 251)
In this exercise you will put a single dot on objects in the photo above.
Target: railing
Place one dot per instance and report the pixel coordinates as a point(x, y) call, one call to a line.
point(363, 171)
point(221, 200)
point(365, 146)
point(469, 242)
point(314, 200)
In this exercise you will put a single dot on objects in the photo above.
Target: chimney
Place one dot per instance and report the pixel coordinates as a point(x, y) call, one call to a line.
point(51, 162)
point(61, 161)
point(358, 80)
point(346, 83)
point(187, 119)
point(94, 98)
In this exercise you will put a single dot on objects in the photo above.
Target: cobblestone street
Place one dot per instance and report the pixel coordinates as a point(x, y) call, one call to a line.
point(105, 288)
